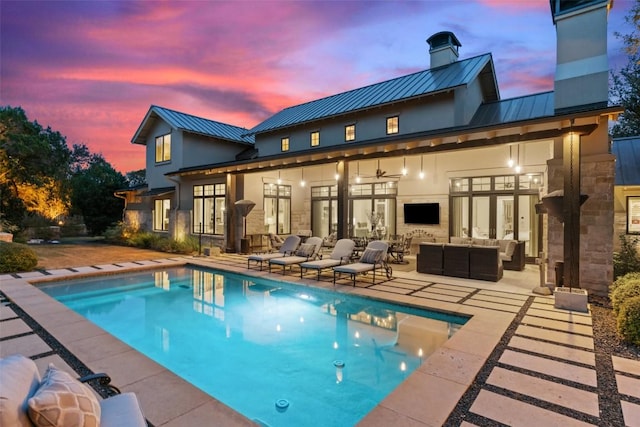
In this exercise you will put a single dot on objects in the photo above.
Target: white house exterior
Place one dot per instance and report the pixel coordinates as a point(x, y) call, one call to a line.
point(317, 166)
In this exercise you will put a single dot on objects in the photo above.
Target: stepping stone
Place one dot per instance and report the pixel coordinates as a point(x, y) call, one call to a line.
point(553, 368)
point(514, 413)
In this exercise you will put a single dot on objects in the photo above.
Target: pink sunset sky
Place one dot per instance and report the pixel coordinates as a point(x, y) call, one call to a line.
point(91, 69)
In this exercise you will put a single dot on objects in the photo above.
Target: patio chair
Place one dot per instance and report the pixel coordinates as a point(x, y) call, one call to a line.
point(307, 251)
point(341, 254)
point(373, 258)
point(289, 245)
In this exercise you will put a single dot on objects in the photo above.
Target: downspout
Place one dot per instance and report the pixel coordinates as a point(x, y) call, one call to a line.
point(177, 208)
point(124, 210)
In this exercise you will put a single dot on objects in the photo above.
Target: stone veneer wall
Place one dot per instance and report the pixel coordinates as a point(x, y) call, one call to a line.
point(596, 223)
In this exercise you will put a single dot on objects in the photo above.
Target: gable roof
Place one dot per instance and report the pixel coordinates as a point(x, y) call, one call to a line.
point(414, 85)
point(627, 152)
point(191, 124)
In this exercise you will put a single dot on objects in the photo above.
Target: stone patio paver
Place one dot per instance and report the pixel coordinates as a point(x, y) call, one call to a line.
point(549, 367)
point(629, 366)
point(12, 327)
point(548, 391)
point(558, 325)
point(566, 316)
point(555, 336)
point(492, 305)
point(628, 386)
point(631, 413)
point(554, 350)
point(519, 414)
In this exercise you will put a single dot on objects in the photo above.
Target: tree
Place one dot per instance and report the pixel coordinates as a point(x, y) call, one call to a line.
point(94, 183)
point(136, 178)
point(625, 87)
point(34, 168)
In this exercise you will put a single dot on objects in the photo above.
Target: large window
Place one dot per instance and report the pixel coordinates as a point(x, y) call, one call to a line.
point(208, 208)
point(163, 148)
point(393, 125)
point(350, 133)
point(277, 208)
point(161, 209)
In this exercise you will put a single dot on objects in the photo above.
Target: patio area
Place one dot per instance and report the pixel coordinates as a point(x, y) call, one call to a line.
point(518, 361)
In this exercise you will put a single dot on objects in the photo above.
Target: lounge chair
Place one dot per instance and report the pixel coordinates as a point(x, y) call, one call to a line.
point(31, 399)
point(307, 251)
point(341, 254)
point(374, 257)
point(289, 245)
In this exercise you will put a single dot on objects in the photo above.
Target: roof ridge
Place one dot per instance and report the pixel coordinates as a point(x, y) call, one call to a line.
point(404, 76)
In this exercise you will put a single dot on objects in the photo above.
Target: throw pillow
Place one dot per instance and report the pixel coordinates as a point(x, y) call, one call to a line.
point(371, 256)
point(19, 380)
point(305, 249)
point(62, 400)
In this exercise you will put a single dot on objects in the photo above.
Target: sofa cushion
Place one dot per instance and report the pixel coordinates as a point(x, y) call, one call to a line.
point(510, 249)
point(19, 380)
point(371, 256)
point(305, 249)
point(121, 410)
point(460, 240)
point(62, 400)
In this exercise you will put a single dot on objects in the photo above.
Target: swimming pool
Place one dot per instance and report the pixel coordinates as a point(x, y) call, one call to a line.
point(283, 355)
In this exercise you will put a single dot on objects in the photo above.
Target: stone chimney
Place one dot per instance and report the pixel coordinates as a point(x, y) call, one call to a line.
point(582, 66)
point(443, 48)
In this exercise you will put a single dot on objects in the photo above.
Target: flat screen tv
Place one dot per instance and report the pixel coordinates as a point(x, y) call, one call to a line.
point(422, 213)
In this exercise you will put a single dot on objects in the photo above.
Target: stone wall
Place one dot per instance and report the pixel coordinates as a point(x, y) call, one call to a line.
point(596, 223)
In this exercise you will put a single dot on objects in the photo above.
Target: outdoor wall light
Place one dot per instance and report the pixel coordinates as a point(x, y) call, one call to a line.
point(302, 181)
point(404, 166)
point(421, 174)
point(279, 180)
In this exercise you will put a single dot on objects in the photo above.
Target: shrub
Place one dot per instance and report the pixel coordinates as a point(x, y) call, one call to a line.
point(628, 259)
point(622, 279)
point(15, 257)
point(628, 289)
point(629, 320)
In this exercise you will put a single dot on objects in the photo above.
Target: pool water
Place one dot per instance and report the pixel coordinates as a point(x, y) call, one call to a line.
point(282, 355)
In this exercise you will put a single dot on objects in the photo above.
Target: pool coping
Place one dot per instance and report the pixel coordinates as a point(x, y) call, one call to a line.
point(434, 381)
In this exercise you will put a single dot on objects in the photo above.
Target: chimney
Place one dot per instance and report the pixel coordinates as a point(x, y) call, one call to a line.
point(582, 66)
point(443, 48)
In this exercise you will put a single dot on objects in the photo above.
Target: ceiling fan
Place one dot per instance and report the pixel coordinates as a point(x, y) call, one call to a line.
point(383, 174)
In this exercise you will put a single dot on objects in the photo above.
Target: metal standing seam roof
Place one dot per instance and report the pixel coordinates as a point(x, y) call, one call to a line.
point(197, 125)
point(417, 84)
point(515, 109)
point(627, 152)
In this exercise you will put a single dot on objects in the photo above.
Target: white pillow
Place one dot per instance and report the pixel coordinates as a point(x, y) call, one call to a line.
point(19, 380)
point(62, 400)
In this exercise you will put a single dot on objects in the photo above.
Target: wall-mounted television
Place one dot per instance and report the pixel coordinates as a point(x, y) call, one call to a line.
point(422, 213)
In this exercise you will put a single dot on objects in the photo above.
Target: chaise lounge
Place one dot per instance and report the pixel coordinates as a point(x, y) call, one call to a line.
point(57, 398)
point(341, 254)
point(307, 251)
point(373, 258)
point(289, 245)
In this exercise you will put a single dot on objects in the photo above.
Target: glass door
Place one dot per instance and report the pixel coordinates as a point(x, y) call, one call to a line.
point(481, 217)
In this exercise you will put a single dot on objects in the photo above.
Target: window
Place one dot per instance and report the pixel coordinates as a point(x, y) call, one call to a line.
point(350, 133)
point(161, 209)
point(315, 138)
point(284, 144)
point(277, 208)
point(392, 125)
point(163, 148)
point(208, 208)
